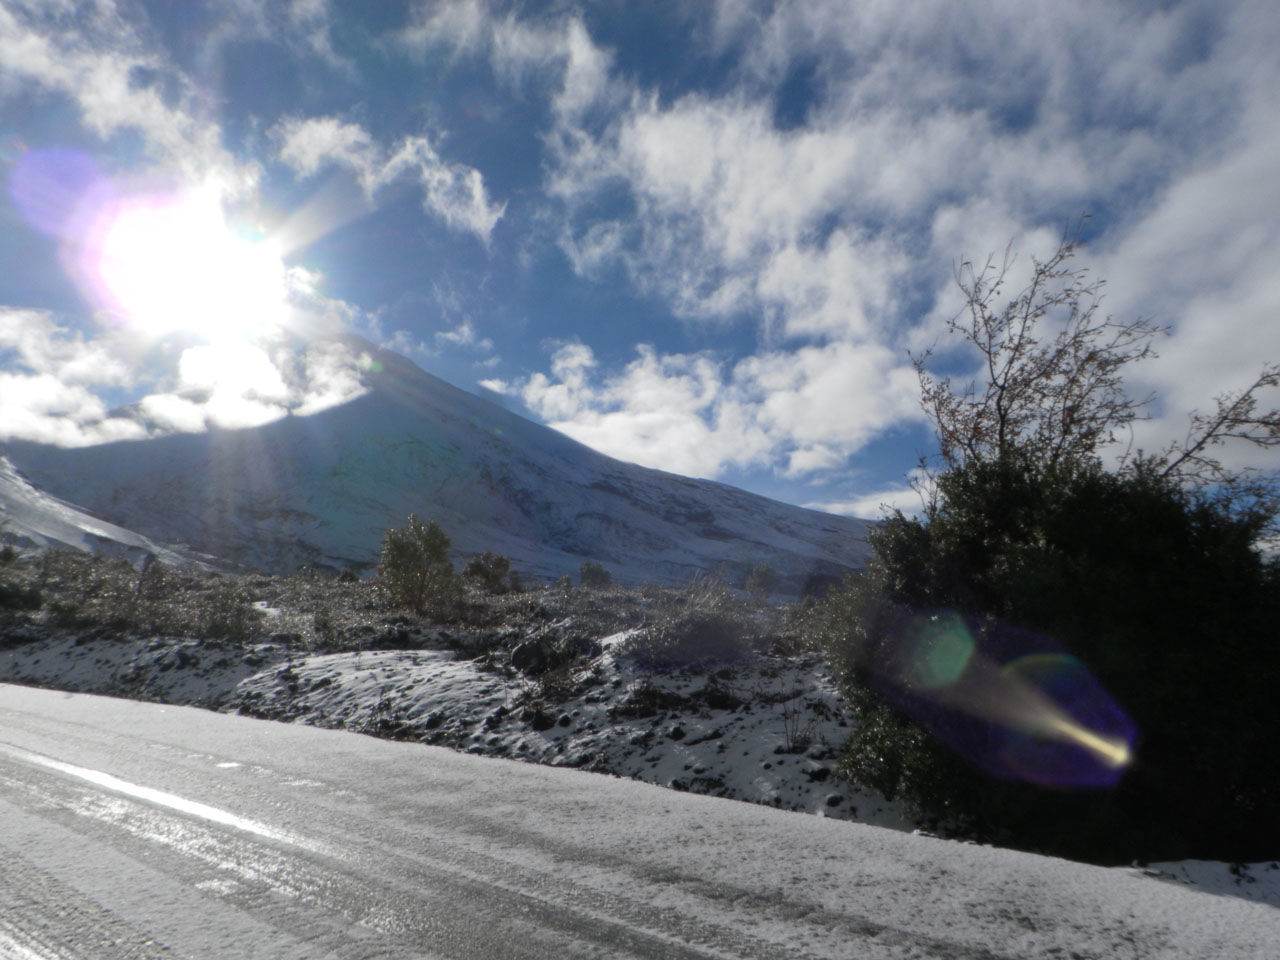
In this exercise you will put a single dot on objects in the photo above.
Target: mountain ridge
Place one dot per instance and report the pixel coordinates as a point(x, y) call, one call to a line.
point(322, 488)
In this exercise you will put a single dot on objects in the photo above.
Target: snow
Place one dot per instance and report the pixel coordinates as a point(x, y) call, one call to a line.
point(645, 860)
point(777, 746)
point(323, 488)
point(32, 518)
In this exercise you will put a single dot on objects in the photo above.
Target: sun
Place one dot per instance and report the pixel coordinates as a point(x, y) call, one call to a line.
point(164, 263)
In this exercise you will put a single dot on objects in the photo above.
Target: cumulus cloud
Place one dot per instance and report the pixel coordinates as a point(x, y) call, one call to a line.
point(930, 134)
point(93, 56)
point(452, 191)
point(35, 341)
point(51, 391)
point(673, 412)
point(46, 392)
point(804, 412)
point(910, 497)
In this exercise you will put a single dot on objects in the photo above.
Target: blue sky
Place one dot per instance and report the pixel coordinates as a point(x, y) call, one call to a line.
point(699, 236)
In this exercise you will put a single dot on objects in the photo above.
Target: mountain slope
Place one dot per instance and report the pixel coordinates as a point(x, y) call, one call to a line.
point(323, 488)
point(32, 518)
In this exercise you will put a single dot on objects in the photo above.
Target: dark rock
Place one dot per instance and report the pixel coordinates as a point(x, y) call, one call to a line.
point(717, 698)
point(538, 719)
point(532, 656)
point(395, 638)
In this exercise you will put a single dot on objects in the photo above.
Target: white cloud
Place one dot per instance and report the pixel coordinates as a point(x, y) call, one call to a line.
point(462, 24)
point(332, 376)
point(308, 145)
point(50, 393)
point(47, 391)
point(672, 412)
point(464, 335)
point(454, 192)
point(555, 51)
point(932, 134)
point(823, 404)
point(37, 343)
point(313, 20)
point(909, 497)
point(171, 412)
point(93, 56)
point(804, 412)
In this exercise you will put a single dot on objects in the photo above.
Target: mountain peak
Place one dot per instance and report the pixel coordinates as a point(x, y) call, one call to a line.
point(323, 487)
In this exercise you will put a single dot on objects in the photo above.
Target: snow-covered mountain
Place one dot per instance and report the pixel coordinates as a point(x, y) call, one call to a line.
point(323, 488)
point(32, 518)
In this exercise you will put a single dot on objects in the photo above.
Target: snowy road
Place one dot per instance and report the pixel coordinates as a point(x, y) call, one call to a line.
point(136, 830)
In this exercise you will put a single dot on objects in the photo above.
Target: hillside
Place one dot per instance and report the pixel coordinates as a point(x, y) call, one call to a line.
point(321, 489)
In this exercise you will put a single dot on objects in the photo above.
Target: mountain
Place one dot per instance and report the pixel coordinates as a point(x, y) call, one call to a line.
point(32, 518)
point(323, 488)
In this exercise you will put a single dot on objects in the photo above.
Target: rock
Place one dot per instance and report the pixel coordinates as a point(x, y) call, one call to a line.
point(538, 719)
point(717, 698)
point(532, 656)
point(394, 638)
point(585, 646)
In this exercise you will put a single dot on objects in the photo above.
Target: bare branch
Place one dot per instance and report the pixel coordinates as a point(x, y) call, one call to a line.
point(1059, 397)
point(1236, 418)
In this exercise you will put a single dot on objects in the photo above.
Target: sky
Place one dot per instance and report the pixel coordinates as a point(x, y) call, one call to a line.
point(703, 237)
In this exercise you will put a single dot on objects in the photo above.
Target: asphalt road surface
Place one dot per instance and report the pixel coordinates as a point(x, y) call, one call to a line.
point(136, 830)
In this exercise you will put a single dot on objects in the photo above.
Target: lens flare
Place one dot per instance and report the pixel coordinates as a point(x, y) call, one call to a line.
point(1007, 699)
point(170, 262)
point(155, 259)
point(940, 651)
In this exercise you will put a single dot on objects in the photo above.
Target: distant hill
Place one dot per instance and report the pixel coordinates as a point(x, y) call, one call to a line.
point(322, 489)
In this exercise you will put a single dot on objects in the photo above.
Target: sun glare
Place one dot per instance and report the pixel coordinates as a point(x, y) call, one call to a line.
point(169, 263)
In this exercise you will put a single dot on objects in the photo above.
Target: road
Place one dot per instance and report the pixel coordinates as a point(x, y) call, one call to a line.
point(137, 830)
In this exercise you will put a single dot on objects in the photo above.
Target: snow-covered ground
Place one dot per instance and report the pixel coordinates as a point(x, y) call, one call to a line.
point(767, 730)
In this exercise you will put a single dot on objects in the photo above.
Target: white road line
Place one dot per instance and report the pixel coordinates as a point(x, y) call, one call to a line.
point(157, 797)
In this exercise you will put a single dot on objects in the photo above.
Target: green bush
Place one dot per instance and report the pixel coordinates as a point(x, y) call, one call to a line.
point(1162, 595)
point(492, 573)
point(226, 613)
point(760, 582)
point(16, 596)
point(703, 624)
point(592, 574)
point(414, 567)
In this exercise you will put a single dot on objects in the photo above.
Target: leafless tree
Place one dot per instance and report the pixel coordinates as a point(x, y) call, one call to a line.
point(1192, 463)
point(1052, 385)
point(1055, 394)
